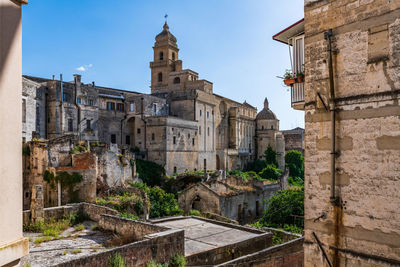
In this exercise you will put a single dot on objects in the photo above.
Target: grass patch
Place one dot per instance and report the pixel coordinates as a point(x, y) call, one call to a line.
point(94, 227)
point(38, 240)
point(194, 213)
point(79, 227)
point(116, 261)
point(76, 251)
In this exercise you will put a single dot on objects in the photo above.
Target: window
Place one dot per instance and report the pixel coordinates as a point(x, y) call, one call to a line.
point(200, 112)
point(91, 102)
point(78, 100)
point(154, 109)
point(188, 135)
point(298, 54)
point(272, 127)
point(192, 141)
point(23, 110)
point(120, 107)
point(128, 139)
point(174, 169)
point(110, 106)
point(113, 139)
point(88, 125)
point(177, 80)
point(173, 56)
point(262, 127)
point(132, 107)
point(138, 130)
point(65, 97)
point(208, 131)
point(174, 140)
point(205, 163)
point(70, 125)
point(152, 137)
point(199, 130)
point(160, 77)
point(161, 56)
point(208, 114)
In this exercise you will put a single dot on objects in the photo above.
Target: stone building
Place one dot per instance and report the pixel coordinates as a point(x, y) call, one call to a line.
point(352, 141)
point(294, 139)
point(268, 134)
point(231, 197)
point(182, 125)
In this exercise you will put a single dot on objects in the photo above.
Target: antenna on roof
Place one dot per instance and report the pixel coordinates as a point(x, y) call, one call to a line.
point(166, 16)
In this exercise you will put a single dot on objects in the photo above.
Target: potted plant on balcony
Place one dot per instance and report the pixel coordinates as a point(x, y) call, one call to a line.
point(300, 77)
point(288, 78)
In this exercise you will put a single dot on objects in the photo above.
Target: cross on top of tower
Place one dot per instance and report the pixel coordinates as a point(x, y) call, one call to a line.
point(166, 16)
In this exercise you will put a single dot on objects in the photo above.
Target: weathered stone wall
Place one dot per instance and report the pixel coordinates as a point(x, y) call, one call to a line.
point(294, 139)
point(364, 229)
point(129, 228)
point(286, 254)
point(160, 247)
point(199, 197)
point(231, 251)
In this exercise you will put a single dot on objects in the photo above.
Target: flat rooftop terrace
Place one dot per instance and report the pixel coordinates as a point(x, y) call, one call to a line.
point(201, 235)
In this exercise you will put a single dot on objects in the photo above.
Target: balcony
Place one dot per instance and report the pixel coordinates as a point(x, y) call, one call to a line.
point(297, 96)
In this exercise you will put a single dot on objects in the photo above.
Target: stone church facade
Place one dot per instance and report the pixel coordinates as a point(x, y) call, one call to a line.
point(182, 125)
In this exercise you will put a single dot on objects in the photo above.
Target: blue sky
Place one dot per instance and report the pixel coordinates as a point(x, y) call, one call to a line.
point(227, 42)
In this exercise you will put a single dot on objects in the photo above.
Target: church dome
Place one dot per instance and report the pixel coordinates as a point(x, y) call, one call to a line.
point(266, 113)
point(165, 35)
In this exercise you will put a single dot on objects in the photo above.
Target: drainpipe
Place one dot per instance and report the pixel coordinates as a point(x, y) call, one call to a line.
point(333, 197)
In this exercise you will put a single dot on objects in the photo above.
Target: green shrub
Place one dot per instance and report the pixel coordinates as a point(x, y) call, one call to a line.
point(270, 172)
point(277, 238)
point(149, 172)
point(153, 263)
point(163, 204)
point(177, 260)
point(116, 261)
point(26, 150)
point(293, 229)
point(194, 213)
point(295, 161)
point(270, 156)
point(78, 149)
point(282, 206)
point(256, 166)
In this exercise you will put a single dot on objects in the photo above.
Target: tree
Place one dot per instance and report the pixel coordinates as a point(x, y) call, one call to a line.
point(282, 206)
point(271, 172)
point(295, 161)
point(162, 204)
point(270, 156)
point(150, 172)
point(256, 166)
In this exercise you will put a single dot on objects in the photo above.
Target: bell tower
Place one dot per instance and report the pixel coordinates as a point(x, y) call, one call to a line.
point(165, 60)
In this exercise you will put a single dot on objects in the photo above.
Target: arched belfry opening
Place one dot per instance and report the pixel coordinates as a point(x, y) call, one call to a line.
point(160, 77)
point(161, 55)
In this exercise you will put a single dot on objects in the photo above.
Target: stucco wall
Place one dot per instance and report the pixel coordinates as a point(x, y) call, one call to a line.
point(12, 245)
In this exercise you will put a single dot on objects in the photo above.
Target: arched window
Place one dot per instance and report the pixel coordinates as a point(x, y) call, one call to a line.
point(161, 56)
point(173, 56)
point(177, 80)
point(160, 77)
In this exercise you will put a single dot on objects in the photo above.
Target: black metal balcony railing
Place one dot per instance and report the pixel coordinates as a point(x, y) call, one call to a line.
point(297, 93)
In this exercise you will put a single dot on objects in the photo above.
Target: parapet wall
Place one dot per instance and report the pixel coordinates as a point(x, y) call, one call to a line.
point(286, 254)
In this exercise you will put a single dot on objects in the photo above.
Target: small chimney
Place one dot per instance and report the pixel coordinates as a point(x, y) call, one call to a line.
point(77, 78)
point(93, 84)
point(53, 77)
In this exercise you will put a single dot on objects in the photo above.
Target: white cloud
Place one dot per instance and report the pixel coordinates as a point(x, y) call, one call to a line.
point(84, 67)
